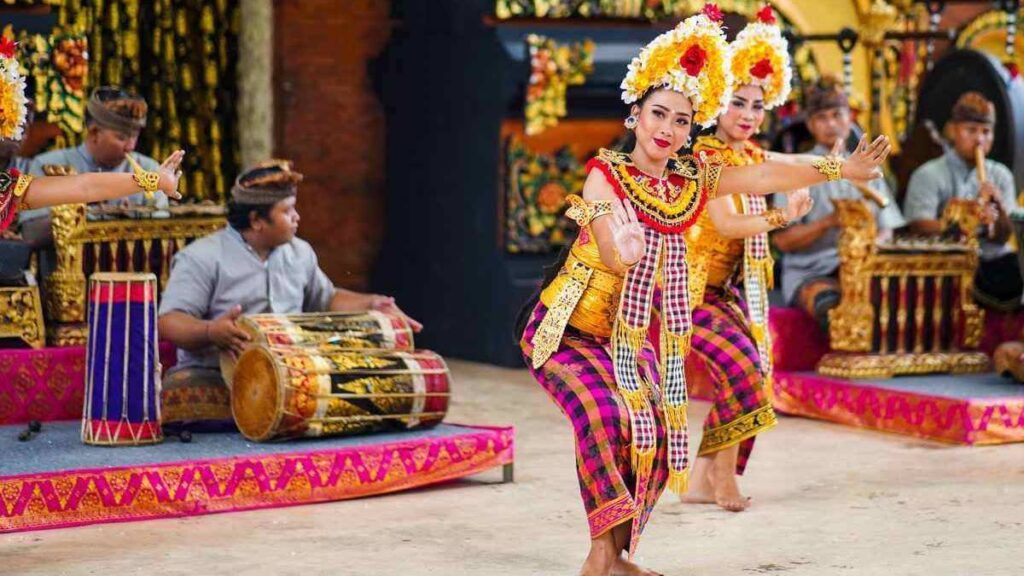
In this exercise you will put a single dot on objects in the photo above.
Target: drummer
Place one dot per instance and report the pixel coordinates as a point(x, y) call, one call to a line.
point(997, 285)
point(255, 265)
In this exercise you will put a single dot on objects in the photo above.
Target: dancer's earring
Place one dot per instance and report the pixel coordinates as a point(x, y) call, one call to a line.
point(630, 122)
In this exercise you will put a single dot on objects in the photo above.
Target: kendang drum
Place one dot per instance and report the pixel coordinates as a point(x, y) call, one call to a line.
point(280, 393)
point(122, 382)
point(359, 330)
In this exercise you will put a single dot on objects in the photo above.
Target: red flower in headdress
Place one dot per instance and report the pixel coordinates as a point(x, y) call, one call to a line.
point(713, 12)
point(762, 69)
point(1013, 69)
point(693, 60)
point(765, 15)
point(7, 47)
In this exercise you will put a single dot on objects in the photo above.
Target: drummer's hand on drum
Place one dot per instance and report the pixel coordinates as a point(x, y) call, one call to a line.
point(386, 304)
point(225, 334)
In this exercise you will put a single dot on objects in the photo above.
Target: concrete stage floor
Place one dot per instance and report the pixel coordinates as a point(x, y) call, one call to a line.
point(828, 499)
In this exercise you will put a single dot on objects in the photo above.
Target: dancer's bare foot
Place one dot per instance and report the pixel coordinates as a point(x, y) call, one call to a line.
point(624, 567)
point(603, 551)
point(598, 563)
point(722, 476)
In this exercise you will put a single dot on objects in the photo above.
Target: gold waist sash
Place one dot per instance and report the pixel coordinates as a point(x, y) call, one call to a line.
point(722, 266)
point(581, 296)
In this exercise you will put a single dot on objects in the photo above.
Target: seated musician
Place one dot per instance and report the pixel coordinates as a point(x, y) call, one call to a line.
point(114, 119)
point(810, 262)
point(255, 265)
point(997, 284)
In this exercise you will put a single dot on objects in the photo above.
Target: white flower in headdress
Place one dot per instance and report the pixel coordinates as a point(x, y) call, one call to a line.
point(760, 57)
point(13, 104)
point(693, 59)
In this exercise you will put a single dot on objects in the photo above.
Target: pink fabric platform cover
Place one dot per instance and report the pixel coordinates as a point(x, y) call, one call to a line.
point(47, 384)
point(307, 474)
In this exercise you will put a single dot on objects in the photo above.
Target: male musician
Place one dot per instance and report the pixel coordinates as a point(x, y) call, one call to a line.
point(997, 284)
point(114, 119)
point(810, 264)
point(255, 265)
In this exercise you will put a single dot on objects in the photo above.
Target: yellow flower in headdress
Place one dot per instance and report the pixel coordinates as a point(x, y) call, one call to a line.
point(760, 57)
point(693, 59)
point(13, 105)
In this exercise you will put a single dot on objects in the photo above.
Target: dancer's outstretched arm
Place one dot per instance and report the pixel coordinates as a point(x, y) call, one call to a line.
point(95, 187)
point(799, 172)
point(733, 225)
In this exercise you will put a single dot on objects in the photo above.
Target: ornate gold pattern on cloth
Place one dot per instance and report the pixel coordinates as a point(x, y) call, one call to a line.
point(583, 212)
point(317, 473)
point(746, 426)
point(562, 299)
point(611, 515)
point(584, 295)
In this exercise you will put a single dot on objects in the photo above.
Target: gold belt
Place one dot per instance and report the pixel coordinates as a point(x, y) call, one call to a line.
point(581, 296)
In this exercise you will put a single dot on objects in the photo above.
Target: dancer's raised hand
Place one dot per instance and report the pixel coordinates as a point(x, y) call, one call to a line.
point(170, 173)
point(798, 204)
point(627, 233)
point(866, 161)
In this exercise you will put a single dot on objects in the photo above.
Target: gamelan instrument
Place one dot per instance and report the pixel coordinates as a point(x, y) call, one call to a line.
point(122, 382)
point(303, 391)
point(363, 330)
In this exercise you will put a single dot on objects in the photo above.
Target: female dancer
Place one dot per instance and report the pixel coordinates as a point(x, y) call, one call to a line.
point(585, 339)
point(21, 191)
point(728, 250)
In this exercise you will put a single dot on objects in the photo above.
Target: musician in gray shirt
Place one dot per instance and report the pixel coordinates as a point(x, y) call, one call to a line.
point(255, 265)
point(997, 284)
point(114, 121)
point(810, 261)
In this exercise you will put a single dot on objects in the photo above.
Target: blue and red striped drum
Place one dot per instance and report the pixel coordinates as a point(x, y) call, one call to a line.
point(122, 382)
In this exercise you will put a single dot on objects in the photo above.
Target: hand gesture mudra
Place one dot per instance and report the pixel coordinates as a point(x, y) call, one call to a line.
point(866, 161)
point(798, 204)
point(627, 233)
point(838, 147)
point(170, 173)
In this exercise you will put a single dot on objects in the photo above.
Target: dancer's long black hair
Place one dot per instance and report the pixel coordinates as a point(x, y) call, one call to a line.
point(550, 271)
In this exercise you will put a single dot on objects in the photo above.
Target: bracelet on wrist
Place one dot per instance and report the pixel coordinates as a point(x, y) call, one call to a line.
point(776, 218)
point(829, 166)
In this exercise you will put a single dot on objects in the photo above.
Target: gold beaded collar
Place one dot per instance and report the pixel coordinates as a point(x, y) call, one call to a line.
point(668, 205)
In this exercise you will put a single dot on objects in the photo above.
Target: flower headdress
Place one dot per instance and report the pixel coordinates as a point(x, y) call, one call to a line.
point(693, 59)
point(13, 104)
point(760, 57)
